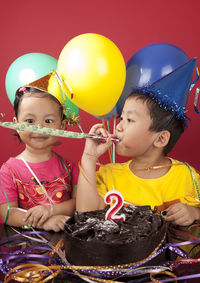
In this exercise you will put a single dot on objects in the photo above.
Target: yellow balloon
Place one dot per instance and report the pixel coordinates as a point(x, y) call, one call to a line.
point(94, 70)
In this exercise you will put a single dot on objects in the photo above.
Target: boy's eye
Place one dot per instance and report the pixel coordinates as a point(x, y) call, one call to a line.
point(129, 120)
point(48, 121)
point(30, 121)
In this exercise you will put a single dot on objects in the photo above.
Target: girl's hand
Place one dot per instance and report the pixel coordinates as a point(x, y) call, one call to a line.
point(182, 214)
point(55, 223)
point(96, 147)
point(36, 216)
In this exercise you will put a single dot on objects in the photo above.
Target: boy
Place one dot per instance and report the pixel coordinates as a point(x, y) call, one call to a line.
point(149, 128)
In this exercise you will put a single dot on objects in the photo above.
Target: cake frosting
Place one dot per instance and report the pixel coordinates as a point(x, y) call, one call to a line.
point(92, 240)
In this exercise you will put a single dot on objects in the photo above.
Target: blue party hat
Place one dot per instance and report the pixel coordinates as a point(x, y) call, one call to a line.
point(171, 91)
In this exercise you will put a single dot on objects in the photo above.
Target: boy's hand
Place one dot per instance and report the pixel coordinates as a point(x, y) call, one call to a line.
point(95, 147)
point(182, 214)
point(36, 216)
point(55, 223)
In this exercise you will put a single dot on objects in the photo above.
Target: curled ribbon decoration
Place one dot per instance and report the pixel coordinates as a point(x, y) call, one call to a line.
point(163, 272)
point(46, 262)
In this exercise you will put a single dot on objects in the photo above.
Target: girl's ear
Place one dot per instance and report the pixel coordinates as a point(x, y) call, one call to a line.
point(63, 124)
point(15, 120)
point(162, 139)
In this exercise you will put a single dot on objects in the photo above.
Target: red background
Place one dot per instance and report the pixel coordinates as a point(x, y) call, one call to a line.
point(46, 26)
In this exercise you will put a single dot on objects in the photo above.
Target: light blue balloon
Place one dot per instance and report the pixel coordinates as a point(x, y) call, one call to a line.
point(26, 69)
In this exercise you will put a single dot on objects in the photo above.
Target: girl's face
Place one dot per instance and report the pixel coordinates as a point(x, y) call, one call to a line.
point(133, 129)
point(41, 111)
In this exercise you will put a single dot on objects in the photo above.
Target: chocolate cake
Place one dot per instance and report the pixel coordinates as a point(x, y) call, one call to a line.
point(92, 240)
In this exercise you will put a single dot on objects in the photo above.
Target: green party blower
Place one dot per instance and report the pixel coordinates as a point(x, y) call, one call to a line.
point(49, 131)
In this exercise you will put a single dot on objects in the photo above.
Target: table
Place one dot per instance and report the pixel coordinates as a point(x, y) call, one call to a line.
point(15, 251)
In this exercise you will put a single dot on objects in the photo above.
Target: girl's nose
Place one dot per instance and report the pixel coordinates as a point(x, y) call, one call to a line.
point(40, 124)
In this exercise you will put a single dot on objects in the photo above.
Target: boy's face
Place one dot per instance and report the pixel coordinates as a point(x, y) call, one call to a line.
point(133, 129)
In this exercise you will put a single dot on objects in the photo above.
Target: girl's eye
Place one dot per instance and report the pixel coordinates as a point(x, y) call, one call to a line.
point(121, 118)
point(30, 121)
point(48, 121)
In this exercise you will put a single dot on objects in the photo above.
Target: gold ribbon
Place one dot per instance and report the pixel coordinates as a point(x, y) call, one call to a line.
point(37, 272)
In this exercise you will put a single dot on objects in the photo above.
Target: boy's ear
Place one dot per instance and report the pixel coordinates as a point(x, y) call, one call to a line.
point(162, 139)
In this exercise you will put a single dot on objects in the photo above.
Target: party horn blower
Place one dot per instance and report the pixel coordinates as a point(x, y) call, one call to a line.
point(50, 132)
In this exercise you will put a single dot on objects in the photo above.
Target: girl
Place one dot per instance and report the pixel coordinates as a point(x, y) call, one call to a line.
point(37, 186)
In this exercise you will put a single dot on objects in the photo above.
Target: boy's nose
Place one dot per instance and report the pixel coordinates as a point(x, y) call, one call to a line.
point(119, 126)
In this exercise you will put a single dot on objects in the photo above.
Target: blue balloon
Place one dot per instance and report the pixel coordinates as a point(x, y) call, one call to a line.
point(150, 64)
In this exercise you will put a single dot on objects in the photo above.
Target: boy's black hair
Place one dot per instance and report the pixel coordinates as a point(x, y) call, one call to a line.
point(33, 91)
point(162, 120)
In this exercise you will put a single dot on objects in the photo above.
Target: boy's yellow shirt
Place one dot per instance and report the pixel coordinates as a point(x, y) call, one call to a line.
point(177, 183)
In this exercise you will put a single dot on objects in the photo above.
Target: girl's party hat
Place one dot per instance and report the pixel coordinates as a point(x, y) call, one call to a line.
point(36, 70)
point(52, 83)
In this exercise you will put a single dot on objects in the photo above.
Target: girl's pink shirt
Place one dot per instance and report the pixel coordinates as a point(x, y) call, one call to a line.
point(47, 171)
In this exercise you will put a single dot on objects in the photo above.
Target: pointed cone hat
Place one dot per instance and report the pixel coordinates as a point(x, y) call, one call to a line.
point(172, 90)
point(52, 84)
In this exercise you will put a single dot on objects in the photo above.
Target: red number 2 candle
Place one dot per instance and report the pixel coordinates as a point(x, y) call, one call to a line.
point(117, 199)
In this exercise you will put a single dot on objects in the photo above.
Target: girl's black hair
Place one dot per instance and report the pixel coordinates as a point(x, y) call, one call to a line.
point(21, 91)
point(33, 91)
